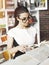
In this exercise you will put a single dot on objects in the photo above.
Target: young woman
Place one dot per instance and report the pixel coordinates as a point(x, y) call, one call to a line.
point(24, 34)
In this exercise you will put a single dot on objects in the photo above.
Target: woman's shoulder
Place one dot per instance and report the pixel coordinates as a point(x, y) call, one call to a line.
point(12, 31)
point(33, 29)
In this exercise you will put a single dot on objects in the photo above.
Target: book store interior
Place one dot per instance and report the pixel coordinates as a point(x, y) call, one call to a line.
point(24, 32)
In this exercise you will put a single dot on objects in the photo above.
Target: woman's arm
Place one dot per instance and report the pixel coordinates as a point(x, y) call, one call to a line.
point(14, 49)
point(9, 42)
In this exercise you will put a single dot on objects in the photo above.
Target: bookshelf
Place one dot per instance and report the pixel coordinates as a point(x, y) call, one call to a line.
point(6, 14)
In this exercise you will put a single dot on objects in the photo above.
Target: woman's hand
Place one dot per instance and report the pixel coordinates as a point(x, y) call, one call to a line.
point(24, 48)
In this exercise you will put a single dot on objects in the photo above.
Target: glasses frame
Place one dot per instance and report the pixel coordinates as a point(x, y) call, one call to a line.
point(25, 18)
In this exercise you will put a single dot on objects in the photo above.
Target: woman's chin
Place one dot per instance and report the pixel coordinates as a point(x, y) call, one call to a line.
point(27, 26)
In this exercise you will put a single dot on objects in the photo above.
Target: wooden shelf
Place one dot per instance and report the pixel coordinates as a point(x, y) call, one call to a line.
point(6, 11)
point(1, 4)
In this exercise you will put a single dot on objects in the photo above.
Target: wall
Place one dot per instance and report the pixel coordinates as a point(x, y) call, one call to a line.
point(44, 24)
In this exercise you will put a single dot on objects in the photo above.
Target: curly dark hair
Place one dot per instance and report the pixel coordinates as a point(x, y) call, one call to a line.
point(18, 11)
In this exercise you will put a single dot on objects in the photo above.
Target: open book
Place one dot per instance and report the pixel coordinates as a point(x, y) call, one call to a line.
point(34, 57)
point(41, 53)
point(37, 56)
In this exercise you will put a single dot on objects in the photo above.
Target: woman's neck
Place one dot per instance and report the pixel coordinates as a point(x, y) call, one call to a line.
point(23, 27)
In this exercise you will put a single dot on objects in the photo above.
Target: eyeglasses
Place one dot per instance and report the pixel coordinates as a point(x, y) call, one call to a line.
point(25, 19)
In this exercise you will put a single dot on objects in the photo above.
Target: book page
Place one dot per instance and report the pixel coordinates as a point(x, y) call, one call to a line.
point(41, 53)
point(27, 60)
point(46, 62)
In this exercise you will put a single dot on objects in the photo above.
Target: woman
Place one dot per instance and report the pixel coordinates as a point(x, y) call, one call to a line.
point(24, 34)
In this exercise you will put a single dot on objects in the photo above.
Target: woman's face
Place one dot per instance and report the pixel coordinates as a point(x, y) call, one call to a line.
point(24, 19)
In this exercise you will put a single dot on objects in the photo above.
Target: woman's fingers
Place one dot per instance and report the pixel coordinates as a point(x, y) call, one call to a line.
point(21, 48)
point(24, 48)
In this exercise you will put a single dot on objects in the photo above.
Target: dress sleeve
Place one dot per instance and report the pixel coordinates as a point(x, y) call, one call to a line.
point(10, 33)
